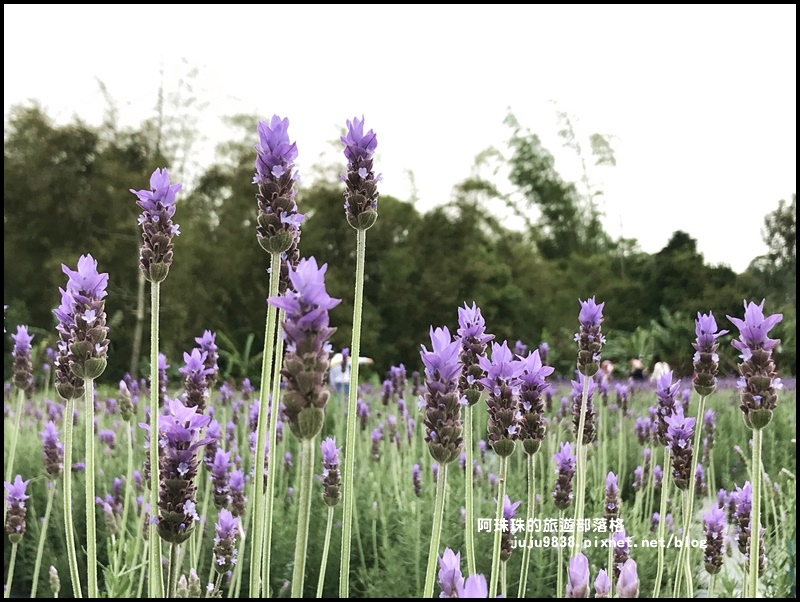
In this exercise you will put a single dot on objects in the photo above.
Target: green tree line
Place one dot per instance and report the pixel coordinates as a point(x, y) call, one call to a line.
point(66, 193)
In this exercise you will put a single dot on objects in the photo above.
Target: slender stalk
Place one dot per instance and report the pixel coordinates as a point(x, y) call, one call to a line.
point(261, 435)
point(325, 549)
point(503, 580)
point(662, 512)
point(303, 515)
point(468, 495)
point(436, 532)
point(172, 570)
point(155, 581)
point(610, 568)
point(498, 533)
point(526, 552)
point(348, 493)
point(711, 580)
point(7, 593)
point(755, 515)
point(560, 553)
point(272, 467)
point(685, 552)
point(580, 468)
point(92, 587)
point(51, 494)
point(12, 452)
point(128, 493)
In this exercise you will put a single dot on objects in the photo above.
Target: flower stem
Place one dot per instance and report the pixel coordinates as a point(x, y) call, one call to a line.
point(51, 494)
point(172, 570)
point(498, 533)
point(662, 511)
point(69, 527)
point(468, 495)
point(14, 439)
point(436, 532)
point(92, 587)
point(7, 593)
point(128, 493)
point(272, 467)
point(348, 494)
point(259, 505)
point(580, 469)
point(155, 581)
point(755, 515)
point(303, 515)
point(560, 553)
point(526, 552)
point(325, 549)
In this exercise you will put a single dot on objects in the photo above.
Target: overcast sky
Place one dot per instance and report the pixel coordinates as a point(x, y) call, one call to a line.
point(700, 100)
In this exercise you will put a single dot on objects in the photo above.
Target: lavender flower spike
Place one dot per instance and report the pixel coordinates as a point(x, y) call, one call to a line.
point(331, 479)
point(473, 337)
point(361, 190)
point(21, 354)
point(565, 468)
point(714, 528)
point(442, 398)
point(628, 584)
point(450, 578)
point(225, 542)
point(503, 385)
point(533, 383)
point(759, 379)
point(706, 359)
point(589, 337)
point(278, 220)
point(602, 585)
point(578, 577)
point(307, 332)
point(474, 587)
point(679, 440)
point(15, 502)
point(158, 205)
point(53, 454)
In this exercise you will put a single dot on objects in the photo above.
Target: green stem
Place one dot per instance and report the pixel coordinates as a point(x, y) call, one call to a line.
point(662, 511)
point(711, 580)
point(468, 493)
point(259, 505)
point(303, 514)
point(7, 593)
point(51, 494)
point(272, 467)
point(580, 468)
point(436, 532)
point(128, 493)
point(503, 581)
point(172, 570)
point(155, 581)
point(560, 554)
point(92, 586)
point(526, 553)
point(688, 502)
point(498, 533)
point(325, 549)
point(755, 515)
point(12, 452)
point(348, 493)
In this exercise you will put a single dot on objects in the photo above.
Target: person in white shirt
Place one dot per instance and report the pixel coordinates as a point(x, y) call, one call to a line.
point(340, 379)
point(660, 368)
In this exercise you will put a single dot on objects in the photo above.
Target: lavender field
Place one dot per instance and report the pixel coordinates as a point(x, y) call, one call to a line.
point(475, 467)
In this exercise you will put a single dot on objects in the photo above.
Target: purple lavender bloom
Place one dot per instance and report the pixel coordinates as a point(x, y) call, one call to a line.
point(590, 417)
point(377, 437)
point(247, 389)
point(642, 428)
point(213, 434)
point(665, 392)
point(602, 585)
point(503, 385)
point(759, 379)
point(475, 586)
point(638, 478)
point(622, 391)
point(658, 476)
point(108, 438)
point(331, 479)
point(679, 440)
point(307, 332)
point(578, 577)
point(225, 551)
point(628, 584)
point(509, 512)
point(520, 349)
point(620, 544)
point(743, 499)
point(482, 449)
point(345, 358)
point(278, 220)
point(22, 367)
point(531, 402)
point(714, 529)
point(612, 501)
point(450, 578)
point(238, 501)
point(219, 478)
point(195, 376)
point(158, 209)
point(435, 472)
point(544, 351)
point(706, 359)
point(53, 453)
point(208, 343)
point(565, 468)
point(442, 397)
point(179, 440)
point(15, 502)
point(700, 485)
point(361, 190)
point(416, 479)
point(589, 337)
point(82, 330)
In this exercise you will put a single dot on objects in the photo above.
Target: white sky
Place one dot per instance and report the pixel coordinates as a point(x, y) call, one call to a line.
point(701, 100)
